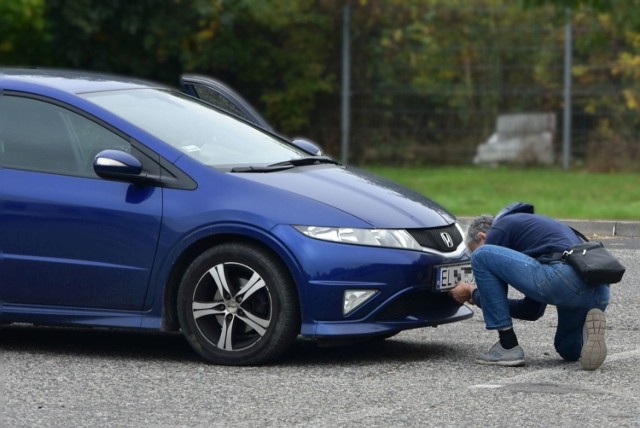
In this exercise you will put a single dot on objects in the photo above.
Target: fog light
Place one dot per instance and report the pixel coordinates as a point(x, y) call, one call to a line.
point(353, 299)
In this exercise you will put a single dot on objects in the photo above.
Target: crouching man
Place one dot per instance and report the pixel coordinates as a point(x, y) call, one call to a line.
point(518, 248)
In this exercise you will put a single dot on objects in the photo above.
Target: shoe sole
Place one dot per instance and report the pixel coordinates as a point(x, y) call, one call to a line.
point(594, 350)
point(511, 363)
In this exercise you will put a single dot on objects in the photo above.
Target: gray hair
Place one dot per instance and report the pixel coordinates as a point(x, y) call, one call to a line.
point(479, 224)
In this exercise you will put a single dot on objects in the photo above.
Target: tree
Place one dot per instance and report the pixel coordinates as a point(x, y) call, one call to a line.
point(146, 38)
point(429, 77)
point(607, 55)
point(22, 35)
point(275, 52)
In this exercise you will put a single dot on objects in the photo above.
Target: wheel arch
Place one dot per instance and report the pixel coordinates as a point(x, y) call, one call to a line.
point(170, 310)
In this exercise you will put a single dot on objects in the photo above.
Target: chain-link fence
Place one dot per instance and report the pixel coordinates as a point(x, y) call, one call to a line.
point(435, 105)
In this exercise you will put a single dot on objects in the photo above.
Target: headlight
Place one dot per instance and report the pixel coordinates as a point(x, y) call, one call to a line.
point(393, 238)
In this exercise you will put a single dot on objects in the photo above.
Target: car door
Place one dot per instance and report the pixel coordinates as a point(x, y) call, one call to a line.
point(223, 97)
point(67, 237)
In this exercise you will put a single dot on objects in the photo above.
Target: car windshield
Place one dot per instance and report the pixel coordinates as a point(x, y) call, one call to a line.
point(202, 133)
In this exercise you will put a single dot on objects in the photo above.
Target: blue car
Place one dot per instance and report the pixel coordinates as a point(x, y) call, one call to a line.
point(128, 204)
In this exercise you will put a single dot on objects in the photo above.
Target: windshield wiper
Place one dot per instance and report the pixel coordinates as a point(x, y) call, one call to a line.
point(270, 168)
point(309, 160)
point(291, 163)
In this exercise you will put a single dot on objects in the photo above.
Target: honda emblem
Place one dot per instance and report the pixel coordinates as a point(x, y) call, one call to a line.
point(446, 238)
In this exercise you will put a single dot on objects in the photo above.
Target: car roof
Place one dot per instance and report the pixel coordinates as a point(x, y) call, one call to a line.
point(75, 81)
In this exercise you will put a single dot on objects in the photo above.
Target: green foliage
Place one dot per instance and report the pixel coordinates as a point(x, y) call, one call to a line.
point(450, 65)
point(429, 77)
point(275, 52)
point(608, 50)
point(21, 30)
point(143, 37)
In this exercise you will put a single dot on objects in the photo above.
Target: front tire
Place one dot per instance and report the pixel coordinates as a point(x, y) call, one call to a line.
point(237, 305)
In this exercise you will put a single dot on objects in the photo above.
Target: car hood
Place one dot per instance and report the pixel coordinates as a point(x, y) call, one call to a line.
point(379, 202)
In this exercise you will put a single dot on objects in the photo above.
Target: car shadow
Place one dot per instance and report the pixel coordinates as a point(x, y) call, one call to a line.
point(132, 344)
point(397, 350)
point(96, 342)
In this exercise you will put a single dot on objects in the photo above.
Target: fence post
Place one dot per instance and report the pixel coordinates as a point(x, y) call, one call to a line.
point(346, 82)
point(566, 134)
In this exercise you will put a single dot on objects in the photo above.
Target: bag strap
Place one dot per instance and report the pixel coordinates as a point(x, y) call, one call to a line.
point(545, 258)
point(579, 234)
point(563, 255)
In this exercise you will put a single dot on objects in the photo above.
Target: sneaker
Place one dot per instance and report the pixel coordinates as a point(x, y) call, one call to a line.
point(594, 348)
point(499, 356)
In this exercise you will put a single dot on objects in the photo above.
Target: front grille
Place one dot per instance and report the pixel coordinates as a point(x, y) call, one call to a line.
point(436, 238)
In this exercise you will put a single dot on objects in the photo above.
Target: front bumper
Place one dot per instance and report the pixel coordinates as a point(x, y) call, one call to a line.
point(403, 280)
point(414, 309)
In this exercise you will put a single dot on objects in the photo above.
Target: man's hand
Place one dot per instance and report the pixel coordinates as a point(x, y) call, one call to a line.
point(462, 292)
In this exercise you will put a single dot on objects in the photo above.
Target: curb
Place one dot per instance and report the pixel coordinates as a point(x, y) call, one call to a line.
point(610, 228)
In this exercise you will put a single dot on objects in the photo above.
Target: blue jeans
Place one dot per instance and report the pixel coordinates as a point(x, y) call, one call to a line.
point(555, 283)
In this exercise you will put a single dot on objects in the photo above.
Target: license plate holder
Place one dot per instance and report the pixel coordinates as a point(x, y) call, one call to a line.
point(448, 276)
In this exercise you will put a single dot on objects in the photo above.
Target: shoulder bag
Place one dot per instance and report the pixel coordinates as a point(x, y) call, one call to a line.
point(593, 262)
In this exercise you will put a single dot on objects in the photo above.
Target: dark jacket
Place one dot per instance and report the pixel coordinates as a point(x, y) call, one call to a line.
point(517, 227)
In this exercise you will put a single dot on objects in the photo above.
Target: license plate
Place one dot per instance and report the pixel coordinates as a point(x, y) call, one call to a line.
point(448, 276)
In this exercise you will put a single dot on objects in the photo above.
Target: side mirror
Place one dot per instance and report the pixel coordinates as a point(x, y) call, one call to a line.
point(307, 146)
point(117, 165)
